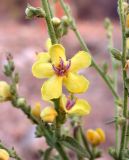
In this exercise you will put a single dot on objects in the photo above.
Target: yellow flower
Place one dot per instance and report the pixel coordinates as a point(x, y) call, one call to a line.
point(60, 71)
point(101, 134)
point(4, 91)
point(95, 137)
point(36, 110)
point(48, 114)
point(4, 154)
point(44, 56)
point(77, 107)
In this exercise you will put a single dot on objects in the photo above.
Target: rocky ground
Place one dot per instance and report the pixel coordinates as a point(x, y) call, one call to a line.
point(23, 41)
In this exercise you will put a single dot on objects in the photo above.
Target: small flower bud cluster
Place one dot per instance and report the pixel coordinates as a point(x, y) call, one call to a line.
point(60, 25)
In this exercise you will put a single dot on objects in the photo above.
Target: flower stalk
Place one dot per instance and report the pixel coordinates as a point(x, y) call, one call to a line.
point(125, 109)
point(51, 31)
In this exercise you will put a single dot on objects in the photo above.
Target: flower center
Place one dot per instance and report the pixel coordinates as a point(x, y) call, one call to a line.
point(62, 69)
point(70, 104)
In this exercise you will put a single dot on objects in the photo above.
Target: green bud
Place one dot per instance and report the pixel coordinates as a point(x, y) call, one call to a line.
point(116, 54)
point(125, 5)
point(16, 78)
point(32, 12)
point(65, 20)
point(56, 21)
point(108, 24)
point(121, 120)
point(21, 102)
point(29, 13)
point(120, 111)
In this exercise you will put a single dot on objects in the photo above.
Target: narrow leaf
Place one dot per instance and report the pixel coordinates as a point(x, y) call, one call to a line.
point(74, 145)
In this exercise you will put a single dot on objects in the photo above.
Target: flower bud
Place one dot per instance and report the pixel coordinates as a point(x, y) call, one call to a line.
point(56, 21)
point(120, 111)
point(21, 102)
point(48, 114)
point(32, 12)
point(4, 91)
point(121, 121)
point(125, 5)
point(93, 137)
point(65, 20)
point(4, 154)
point(29, 13)
point(101, 134)
point(35, 111)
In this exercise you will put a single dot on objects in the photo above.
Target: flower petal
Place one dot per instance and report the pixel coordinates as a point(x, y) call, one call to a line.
point(76, 83)
point(42, 70)
point(43, 56)
point(80, 108)
point(81, 60)
point(63, 102)
point(56, 52)
point(52, 88)
point(48, 44)
point(48, 114)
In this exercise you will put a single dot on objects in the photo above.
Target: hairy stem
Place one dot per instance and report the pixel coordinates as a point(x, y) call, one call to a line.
point(125, 109)
point(51, 30)
point(109, 30)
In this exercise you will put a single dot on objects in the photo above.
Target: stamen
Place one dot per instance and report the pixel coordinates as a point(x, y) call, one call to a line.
point(68, 65)
point(61, 63)
point(61, 69)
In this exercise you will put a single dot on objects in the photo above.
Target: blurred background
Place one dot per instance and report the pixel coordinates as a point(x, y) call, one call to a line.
point(23, 38)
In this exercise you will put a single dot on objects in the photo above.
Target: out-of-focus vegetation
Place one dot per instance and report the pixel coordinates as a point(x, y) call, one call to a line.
point(83, 8)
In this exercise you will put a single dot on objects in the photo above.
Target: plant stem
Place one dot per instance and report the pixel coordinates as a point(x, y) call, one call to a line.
point(84, 47)
point(127, 139)
point(109, 30)
point(77, 136)
point(49, 22)
point(60, 149)
point(125, 109)
point(86, 143)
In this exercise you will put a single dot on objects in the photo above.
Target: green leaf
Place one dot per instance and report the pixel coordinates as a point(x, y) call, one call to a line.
point(116, 54)
point(72, 144)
